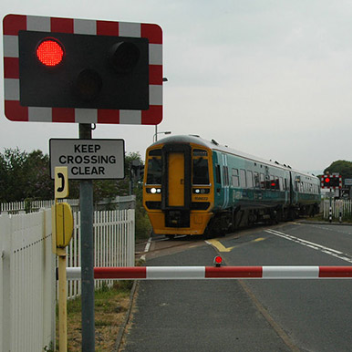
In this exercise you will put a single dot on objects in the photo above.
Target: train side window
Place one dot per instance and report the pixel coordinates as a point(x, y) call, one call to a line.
point(262, 181)
point(218, 176)
point(225, 175)
point(249, 179)
point(243, 178)
point(256, 180)
point(281, 183)
point(275, 183)
point(234, 178)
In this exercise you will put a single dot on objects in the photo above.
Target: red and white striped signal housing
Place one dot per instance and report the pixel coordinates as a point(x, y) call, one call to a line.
point(82, 71)
point(331, 181)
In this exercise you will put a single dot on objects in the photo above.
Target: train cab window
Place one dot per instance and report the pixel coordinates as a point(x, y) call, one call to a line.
point(154, 171)
point(200, 171)
point(200, 167)
point(235, 178)
point(155, 152)
point(249, 179)
point(243, 180)
point(200, 152)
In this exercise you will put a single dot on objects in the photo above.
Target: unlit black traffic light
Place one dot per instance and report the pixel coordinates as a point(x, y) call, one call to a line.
point(68, 70)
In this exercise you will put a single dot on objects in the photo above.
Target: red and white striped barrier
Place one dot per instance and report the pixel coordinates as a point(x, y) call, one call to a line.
point(210, 272)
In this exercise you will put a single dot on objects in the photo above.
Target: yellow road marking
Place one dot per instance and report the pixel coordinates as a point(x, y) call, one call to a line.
point(219, 246)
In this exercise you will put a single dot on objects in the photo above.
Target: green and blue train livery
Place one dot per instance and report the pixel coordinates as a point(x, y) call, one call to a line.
point(192, 186)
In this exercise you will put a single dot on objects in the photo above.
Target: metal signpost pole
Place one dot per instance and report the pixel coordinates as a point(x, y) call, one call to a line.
point(87, 254)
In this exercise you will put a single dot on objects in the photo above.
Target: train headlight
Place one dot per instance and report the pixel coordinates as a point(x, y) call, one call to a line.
point(154, 190)
point(201, 190)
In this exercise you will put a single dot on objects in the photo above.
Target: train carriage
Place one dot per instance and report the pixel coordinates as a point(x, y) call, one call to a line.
point(193, 186)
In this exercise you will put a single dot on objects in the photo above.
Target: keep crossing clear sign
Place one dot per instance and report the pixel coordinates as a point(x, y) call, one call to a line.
point(88, 159)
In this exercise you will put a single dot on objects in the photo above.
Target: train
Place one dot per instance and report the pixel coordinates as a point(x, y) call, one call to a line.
point(192, 186)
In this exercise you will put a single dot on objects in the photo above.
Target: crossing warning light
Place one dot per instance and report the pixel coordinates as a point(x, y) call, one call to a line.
point(331, 181)
point(99, 72)
point(50, 52)
point(57, 68)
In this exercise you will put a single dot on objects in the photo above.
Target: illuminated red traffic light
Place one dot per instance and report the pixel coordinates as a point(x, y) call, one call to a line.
point(327, 180)
point(50, 52)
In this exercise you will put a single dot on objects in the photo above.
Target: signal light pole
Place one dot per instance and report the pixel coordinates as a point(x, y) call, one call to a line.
point(87, 254)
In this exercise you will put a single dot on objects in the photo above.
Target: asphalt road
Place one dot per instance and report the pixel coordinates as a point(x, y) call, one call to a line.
point(249, 315)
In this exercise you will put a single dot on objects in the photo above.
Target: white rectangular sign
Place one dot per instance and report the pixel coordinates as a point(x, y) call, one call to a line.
point(348, 181)
point(89, 159)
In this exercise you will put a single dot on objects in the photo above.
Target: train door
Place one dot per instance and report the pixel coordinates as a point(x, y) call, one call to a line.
point(176, 196)
point(225, 181)
point(222, 182)
point(176, 179)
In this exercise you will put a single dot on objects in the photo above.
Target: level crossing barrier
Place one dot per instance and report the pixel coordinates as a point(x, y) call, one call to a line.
point(211, 272)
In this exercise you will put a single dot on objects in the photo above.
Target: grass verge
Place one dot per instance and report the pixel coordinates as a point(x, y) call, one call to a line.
point(111, 307)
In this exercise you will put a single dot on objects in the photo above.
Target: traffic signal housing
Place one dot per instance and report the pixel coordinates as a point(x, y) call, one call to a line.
point(86, 71)
point(64, 70)
point(331, 181)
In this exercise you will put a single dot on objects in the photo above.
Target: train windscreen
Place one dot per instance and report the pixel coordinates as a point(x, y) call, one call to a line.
point(154, 171)
point(200, 167)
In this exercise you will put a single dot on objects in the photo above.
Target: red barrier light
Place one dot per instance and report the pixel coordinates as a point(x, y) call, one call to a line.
point(217, 261)
point(50, 52)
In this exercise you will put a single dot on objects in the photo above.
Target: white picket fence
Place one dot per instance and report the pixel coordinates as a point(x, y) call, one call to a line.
point(29, 206)
point(338, 206)
point(114, 244)
point(28, 271)
point(27, 277)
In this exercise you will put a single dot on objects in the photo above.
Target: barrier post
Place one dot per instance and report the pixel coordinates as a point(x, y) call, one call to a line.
point(62, 228)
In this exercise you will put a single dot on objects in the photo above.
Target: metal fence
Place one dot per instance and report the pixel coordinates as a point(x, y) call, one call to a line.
point(28, 271)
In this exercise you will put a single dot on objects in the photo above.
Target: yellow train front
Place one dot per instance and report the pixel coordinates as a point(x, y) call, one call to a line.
point(177, 192)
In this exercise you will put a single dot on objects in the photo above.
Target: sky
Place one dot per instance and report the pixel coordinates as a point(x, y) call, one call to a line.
point(272, 78)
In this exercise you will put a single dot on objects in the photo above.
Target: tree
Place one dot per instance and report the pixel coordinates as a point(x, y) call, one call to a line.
point(342, 167)
point(38, 182)
point(13, 175)
point(24, 176)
